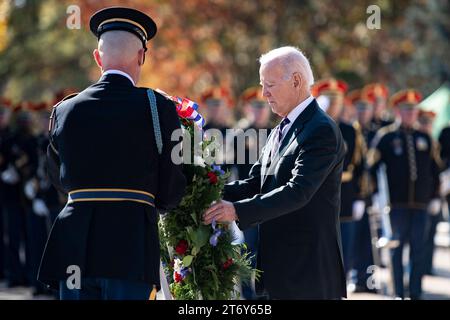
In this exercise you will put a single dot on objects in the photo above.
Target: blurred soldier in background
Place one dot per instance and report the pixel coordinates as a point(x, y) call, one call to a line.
point(218, 103)
point(5, 133)
point(351, 206)
point(257, 117)
point(379, 94)
point(363, 258)
point(27, 199)
point(35, 188)
point(409, 159)
point(253, 133)
point(444, 141)
point(21, 162)
point(349, 113)
point(425, 121)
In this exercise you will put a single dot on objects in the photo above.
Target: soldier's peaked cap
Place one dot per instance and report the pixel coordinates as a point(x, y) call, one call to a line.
point(125, 19)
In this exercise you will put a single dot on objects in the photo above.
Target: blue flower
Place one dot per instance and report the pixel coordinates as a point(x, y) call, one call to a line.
point(218, 169)
point(215, 237)
point(216, 234)
point(184, 272)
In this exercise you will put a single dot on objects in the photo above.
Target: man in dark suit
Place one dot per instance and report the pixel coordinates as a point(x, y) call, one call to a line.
point(293, 191)
point(110, 149)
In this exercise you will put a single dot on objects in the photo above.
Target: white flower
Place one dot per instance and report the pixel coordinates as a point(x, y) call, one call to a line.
point(199, 161)
point(177, 265)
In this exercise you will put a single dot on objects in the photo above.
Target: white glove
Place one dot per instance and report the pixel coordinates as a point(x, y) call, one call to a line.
point(40, 208)
point(10, 175)
point(445, 182)
point(30, 189)
point(358, 209)
point(434, 207)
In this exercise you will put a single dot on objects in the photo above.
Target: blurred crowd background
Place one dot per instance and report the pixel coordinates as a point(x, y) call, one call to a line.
point(217, 42)
point(208, 51)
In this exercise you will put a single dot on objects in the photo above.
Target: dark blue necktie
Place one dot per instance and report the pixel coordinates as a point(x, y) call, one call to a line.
point(281, 126)
point(279, 136)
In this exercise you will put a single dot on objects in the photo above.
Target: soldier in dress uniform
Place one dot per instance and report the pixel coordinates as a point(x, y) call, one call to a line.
point(5, 133)
point(444, 143)
point(379, 94)
point(363, 258)
point(335, 91)
point(425, 121)
point(21, 161)
point(257, 116)
point(349, 112)
point(409, 157)
point(36, 207)
point(110, 150)
point(218, 101)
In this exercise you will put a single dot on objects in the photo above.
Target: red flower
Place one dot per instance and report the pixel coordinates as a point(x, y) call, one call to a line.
point(212, 177)
point(227, 264)
point(177, 277)
point(181, 247)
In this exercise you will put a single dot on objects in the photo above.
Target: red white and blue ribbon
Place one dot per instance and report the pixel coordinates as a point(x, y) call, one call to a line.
point(186, 108)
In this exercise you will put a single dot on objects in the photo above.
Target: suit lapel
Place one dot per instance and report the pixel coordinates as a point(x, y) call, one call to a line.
point(293, 132)
point(266, 155)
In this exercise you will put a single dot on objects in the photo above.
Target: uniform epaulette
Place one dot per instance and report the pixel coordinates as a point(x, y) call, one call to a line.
point(52, 115)
point(51, 122)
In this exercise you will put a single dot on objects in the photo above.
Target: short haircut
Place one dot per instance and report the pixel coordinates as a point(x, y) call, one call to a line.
point(120, 46)
point(292, 59)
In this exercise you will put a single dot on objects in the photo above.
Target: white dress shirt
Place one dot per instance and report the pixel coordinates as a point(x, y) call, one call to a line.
point(293, 115)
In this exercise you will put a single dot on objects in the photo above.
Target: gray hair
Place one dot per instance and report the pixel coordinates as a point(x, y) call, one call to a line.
point(118, 46)
point(292, 59)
